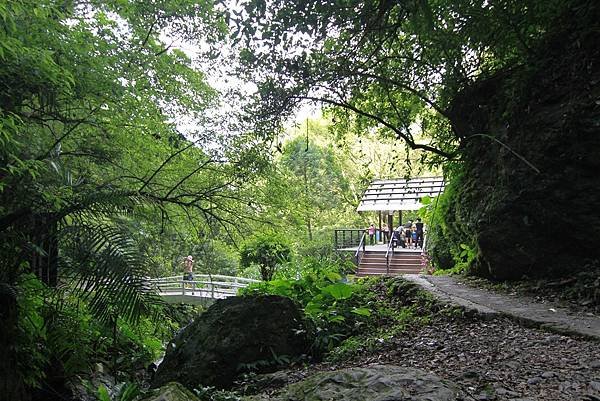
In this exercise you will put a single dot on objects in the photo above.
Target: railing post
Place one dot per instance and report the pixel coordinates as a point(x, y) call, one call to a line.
point(387, 265)
point(193, 287)
point(182, 287)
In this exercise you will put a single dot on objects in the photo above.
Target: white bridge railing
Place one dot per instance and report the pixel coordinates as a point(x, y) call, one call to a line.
point(203, 285)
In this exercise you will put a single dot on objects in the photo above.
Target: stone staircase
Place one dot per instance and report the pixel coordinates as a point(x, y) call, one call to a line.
point(403, 261)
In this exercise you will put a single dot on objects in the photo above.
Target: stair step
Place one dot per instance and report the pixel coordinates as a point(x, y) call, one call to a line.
point(392, 263)
point(397, 255)
point(402, 256)
point(410, 252)
point(383, 268)
point(383, 273)
point(391, 256)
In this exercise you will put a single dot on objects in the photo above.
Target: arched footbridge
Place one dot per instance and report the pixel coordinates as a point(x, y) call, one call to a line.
point(202, 289)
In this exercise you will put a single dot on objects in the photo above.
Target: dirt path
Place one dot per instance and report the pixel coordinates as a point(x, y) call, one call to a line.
point(498, 359)
point(519, 308)
point(490, 358)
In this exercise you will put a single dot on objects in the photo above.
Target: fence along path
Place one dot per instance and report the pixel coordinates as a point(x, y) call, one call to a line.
point(211, 286)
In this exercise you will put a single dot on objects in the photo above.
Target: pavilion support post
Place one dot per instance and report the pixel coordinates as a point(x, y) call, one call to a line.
point(400, 217)
point(380, 232)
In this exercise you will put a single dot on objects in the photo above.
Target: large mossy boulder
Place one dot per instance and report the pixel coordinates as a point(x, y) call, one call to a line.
point(371, 383)
point(234, 335)
point(527, 193)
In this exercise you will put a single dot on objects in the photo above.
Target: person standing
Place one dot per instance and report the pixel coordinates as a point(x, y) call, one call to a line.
point(386, 233)
point(419, 227)
point(401, 236)
point(408, 233)
point(371, 231)
point(188, 268)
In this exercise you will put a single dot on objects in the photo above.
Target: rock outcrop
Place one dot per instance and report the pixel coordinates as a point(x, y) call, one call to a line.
point(527, 193)
point(235, 335)
point(371, 383)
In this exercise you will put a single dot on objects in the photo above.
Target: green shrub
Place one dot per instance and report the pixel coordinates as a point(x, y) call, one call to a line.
point(266, 250)
point(396, 306)
point(58, 338)
point(30, 340)
point(333, 305)
point(448, 236)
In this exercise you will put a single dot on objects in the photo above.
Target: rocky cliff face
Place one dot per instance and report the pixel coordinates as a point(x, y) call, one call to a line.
point(528, 193)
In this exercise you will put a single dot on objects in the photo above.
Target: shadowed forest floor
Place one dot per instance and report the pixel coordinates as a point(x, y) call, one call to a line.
point(488, 355)
point(489, 360)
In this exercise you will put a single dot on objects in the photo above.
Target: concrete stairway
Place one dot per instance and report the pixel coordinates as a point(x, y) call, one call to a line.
point(404, 261)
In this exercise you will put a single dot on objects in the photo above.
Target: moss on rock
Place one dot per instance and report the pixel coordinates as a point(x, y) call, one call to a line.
point(539, 216)
point(172, 391)
point(371, 383)
point(234, 335)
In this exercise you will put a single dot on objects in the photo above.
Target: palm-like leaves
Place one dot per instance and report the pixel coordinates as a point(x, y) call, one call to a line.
point(98, 260)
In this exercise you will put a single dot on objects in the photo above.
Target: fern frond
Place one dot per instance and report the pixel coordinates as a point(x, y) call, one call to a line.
point(100, 263)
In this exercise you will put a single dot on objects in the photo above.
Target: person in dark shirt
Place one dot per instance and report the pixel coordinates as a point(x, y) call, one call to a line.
point(419, 227)
point(408, 233)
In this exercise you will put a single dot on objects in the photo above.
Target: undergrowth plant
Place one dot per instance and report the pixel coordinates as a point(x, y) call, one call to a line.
point(397, 306)
point(334, 306)
point(59, 337)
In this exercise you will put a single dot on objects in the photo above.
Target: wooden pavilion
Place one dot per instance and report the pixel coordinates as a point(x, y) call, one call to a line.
point(386, 197)
point(397, 195)
point(389, 198)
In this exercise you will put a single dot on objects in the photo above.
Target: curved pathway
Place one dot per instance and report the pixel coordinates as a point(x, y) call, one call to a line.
point(522, 309)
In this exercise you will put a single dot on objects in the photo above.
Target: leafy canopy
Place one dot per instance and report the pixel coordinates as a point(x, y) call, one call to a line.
point(387, 65)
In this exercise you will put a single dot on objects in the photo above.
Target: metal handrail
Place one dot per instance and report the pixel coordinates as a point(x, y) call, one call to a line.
point(208, 276)
point(228, 286)
point(387, 257)
point(361, 244)
point(341, 239)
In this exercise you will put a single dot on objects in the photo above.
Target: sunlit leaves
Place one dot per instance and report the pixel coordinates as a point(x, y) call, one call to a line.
point(394, 63)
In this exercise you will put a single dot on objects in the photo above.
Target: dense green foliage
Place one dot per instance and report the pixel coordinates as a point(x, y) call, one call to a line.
point(450, 241)
point(115, 162)
point(460, 80)
point(267, 251)
point(328, 302)
point(350, 317)
point(94, 170)
point(62, 332)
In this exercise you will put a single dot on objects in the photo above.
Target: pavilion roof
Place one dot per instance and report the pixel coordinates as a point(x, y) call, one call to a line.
point(399, 194)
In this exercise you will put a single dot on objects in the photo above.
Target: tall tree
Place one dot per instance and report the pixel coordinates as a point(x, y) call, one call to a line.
point(90, 98)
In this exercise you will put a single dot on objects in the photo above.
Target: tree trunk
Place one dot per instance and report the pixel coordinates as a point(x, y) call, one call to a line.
point(44, 258)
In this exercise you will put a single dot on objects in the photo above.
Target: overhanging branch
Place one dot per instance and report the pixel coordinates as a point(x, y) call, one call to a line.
point(398, 132)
